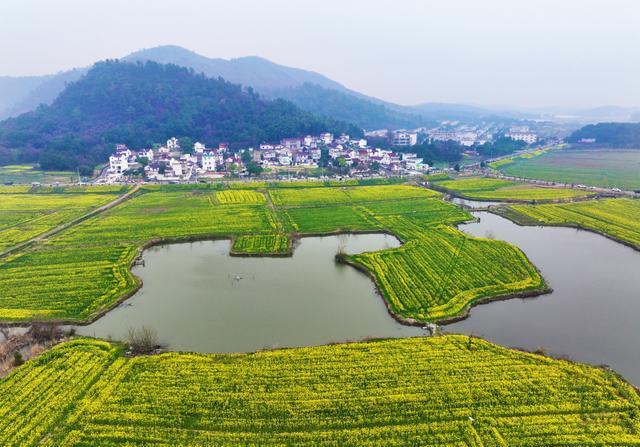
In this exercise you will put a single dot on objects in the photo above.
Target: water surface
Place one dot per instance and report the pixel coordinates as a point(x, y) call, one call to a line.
point(593, 313)
point(198, 298)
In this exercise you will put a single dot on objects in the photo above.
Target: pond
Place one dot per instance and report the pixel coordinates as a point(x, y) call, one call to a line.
point(473, 203)
point(198, 298)
point(591, 316)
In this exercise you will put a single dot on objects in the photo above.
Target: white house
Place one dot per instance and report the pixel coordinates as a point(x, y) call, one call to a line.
point(327, 138)
point(172, 144)
point(527, 137)
point(198, 147)
point(209, 161)
point(118, 163)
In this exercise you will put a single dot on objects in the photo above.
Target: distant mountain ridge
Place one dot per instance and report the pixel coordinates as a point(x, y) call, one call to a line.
point(140, 104)
point(309, 90)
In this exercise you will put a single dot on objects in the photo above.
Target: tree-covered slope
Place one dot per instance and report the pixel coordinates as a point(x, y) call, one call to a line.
point(609, 134)
point(347, 107)
point(139, 104)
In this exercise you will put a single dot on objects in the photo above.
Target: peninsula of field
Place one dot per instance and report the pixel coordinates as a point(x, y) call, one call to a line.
point(505, 190)
point(447, 391)
point(618, 219)
point(437, 274)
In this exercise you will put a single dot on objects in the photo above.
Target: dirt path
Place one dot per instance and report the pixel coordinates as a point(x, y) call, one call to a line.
point(71, 223)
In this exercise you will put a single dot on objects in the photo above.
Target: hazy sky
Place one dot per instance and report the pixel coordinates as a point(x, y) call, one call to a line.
point(496, 52)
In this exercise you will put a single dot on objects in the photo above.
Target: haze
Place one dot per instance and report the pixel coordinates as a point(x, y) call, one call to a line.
point(492, 52)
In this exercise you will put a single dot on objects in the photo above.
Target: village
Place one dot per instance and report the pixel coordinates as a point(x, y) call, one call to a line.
point(172, 163)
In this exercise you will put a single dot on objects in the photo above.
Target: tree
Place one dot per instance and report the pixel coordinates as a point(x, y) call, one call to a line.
point(246, 156)
point(457, 167)
point(186, 145)
point(162, 168)
point(254, 168)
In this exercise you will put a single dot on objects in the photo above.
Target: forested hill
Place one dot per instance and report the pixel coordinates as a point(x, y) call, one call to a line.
point(348, 107)
point(141, 104)
point(621, 135)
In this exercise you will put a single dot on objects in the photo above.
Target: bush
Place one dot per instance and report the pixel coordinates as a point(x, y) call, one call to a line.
point(17, 358)
point(143, 340)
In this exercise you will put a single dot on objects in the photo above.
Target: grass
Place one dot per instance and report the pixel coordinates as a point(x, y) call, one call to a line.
point(28, 174)
point(594, 167)
point(497, 189)
point(449, 391)
point(84, 270)
point(617, 218)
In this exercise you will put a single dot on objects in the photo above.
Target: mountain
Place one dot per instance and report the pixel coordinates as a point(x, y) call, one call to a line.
point(23, 94)
point(343, 106)
point(618, 135)
point(309, 90)
point(259, 73)
point(467, 113)
point(140, 104)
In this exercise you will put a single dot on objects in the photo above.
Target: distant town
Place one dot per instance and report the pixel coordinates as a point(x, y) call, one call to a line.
point(180, 160)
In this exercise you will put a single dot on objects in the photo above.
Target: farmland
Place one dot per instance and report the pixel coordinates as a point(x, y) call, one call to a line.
point(24, 215)
point(616, 218)
point(496, 189)
point(29, 174)
point(604, 168)
point(446, 391)
point(97, 253)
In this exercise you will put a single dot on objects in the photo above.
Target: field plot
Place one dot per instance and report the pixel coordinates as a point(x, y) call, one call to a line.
point(605, 168)
point(24, 216)
point(83, 270)
point(496, 189)
point(262, 244)
point(617, 218)
point(28, 174)
point(332, 196)
point(448, 391)
point(439, 273)
point(239, 197)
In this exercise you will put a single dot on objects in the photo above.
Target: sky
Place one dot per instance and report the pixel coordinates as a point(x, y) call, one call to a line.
point(516, 53)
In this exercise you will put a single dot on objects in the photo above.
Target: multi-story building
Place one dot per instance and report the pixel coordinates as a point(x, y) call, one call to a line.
point(403, 138)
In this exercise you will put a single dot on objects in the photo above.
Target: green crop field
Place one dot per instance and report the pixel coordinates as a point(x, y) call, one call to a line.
point(24, 216)
point(449, 391)
point(84, 270)
point(607, 168)
point(496, 189)
point(617, 218)
point(29, 174)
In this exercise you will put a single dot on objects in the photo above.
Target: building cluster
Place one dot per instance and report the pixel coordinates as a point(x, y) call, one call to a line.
point(464, 134)
point(171, 163)
point(522, 133)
